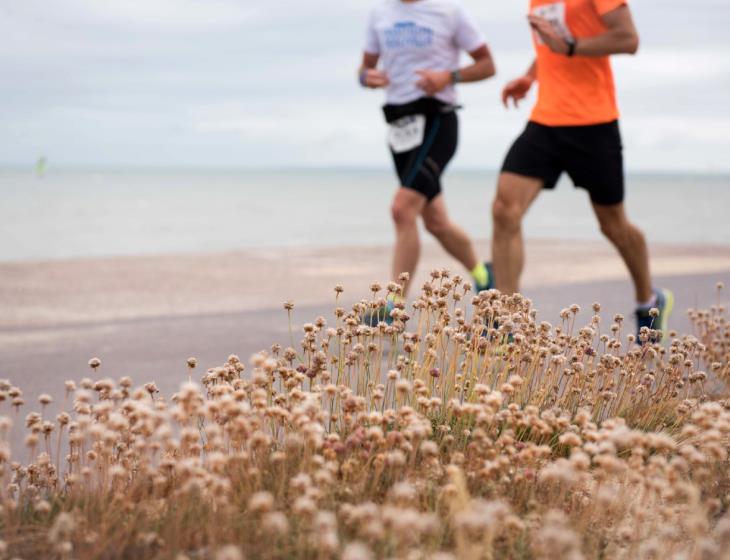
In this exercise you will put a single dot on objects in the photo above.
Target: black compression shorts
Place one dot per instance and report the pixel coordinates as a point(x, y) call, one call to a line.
point(591, 155)
point(420, 169)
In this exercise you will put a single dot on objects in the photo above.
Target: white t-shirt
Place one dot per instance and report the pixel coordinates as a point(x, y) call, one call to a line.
point(420, 35)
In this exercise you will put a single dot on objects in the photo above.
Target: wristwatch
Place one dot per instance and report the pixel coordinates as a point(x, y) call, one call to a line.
point(455, 76)
point(572, 43)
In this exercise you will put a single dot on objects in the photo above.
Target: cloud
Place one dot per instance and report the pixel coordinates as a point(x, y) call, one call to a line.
point(158, 15)
point(225, 82)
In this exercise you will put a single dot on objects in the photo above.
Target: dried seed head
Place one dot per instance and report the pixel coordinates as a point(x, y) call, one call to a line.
point(229, 552)
point(261, 502)
point(275, 523)
point(43, 507)
point(357, 551)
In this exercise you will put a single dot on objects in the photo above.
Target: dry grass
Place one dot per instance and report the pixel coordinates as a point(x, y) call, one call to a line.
point(439, 436)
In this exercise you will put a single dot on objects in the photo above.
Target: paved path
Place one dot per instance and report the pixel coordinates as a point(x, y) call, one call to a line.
point(155, 349)
point(145, 317)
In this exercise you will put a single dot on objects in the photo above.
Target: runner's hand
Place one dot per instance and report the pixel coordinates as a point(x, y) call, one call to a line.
point(376, 79)
point(433, 81)
point(547, 33)
point(516, 90)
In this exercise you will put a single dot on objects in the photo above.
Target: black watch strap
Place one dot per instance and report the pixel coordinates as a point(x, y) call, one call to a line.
point(572, 43)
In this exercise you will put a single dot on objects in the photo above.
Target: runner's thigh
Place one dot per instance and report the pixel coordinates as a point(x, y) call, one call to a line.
point(594, 161)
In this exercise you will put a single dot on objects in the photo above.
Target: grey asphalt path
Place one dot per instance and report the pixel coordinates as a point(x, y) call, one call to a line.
point(156, 349)
point(38, 360)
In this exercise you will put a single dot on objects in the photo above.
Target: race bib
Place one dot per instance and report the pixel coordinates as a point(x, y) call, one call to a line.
point(555, 14)
point(406, 133)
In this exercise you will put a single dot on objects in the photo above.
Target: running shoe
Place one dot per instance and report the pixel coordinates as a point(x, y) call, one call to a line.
point(373, 317)
point(490, 285)
point(664, 305)
point(490, 280)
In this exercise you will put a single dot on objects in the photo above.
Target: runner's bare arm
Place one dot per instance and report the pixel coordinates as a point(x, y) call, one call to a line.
point(532, 71)
point(368, 73)
point(433, 81)
point(620, 36)
point(482, 68)
point(516, 90)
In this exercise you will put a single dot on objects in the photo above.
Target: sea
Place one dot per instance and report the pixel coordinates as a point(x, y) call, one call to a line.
point(85, 213)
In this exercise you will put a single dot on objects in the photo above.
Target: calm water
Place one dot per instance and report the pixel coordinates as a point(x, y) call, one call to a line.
point(90, 213)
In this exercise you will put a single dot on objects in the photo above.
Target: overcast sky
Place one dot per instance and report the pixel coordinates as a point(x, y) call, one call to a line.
point(265, 83)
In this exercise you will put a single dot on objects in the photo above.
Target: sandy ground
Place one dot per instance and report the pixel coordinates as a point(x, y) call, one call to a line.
point(144, 316)
point(45, 295)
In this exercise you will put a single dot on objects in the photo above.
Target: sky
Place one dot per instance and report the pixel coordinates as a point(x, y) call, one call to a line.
point(249, 83)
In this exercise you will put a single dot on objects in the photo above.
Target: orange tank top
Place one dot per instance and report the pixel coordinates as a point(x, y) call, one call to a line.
point(574, 91)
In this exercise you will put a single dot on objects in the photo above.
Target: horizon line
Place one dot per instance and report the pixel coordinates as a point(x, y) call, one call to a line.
point(4, 167)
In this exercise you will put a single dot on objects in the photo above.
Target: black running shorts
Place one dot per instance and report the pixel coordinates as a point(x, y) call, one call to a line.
point(591, 155)
point(420, 169)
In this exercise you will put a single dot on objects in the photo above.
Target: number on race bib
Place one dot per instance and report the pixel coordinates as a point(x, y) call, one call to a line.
point(407, 133)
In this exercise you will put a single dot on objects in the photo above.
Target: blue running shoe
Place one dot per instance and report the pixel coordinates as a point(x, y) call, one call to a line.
point(373, 317)
point(490, 280)
point(644, 318)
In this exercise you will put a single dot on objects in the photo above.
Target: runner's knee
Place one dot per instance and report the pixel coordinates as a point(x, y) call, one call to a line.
point(403, 214)
point(507, 215)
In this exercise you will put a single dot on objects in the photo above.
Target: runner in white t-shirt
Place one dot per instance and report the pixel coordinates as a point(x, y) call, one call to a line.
point(419, 43)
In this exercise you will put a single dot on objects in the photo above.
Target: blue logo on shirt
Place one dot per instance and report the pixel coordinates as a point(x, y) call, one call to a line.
point(406, 34)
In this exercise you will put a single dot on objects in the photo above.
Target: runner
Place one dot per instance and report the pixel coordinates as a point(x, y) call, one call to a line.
point(574, 129)
point(418, 43)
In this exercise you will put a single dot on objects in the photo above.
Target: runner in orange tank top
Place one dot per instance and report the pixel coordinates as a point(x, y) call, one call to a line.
point(574, 129)
point(575, 90)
